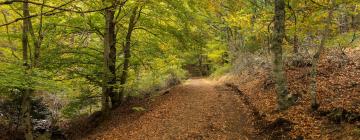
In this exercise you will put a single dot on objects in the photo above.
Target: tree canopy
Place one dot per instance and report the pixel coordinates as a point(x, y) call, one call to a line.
point(94, 55)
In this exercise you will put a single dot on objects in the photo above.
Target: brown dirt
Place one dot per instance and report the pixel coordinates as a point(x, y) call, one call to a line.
point(198, 109)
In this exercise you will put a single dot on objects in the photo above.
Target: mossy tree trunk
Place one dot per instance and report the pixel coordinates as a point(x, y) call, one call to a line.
point(283, 99)
point(26, 93)
point(109, 70)
point(127, 49)
point(315, 60)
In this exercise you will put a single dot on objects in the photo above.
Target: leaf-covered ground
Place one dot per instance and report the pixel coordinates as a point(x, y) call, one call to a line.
point(338, 88)
point(198, 109)
point(203, 109)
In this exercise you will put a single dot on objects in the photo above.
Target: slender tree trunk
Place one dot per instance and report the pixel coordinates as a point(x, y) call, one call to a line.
point(127, 51)
point(36, 39)
point(36, 42)
point(296, 38)
point(344, 22)
point(26, 97)
point(26, 113)
point(296, 44)
point(109, 78)
point(313, 88)
point(279, 73)
point(354, 19)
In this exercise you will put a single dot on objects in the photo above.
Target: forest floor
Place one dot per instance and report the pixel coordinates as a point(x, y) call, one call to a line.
point(338, 93)
point(197, 109)
point(243, 106)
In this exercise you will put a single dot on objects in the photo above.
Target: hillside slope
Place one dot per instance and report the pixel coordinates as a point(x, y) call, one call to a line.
point(338, 94)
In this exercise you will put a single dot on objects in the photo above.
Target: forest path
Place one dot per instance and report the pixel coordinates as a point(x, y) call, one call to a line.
point(197, 109)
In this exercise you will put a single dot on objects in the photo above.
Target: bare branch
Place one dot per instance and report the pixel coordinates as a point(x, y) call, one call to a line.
point(51, 12)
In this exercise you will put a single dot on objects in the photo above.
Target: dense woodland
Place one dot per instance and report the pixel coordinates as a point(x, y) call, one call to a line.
point(69, 66)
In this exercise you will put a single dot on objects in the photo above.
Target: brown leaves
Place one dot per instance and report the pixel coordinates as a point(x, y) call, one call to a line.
point(338, 87)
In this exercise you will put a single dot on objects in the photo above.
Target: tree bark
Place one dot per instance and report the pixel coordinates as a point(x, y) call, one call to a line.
point(354, 19)
point(344, 22)
point(26, 95)
point(35, 40)
point(109, 77)
point(313, 85)
point(296, 38)
point(283, 99)
point(127, 51)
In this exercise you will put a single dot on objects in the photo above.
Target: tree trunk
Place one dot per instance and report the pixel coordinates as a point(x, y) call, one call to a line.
point(296, 38)
point(313, 88)
point(127, 51)
point(35, 40)
point(279, 33)
point(26, 113)
point(344, 21)
point(354, 19)
point(26, 95)
point(296, 56)
point(109, 78)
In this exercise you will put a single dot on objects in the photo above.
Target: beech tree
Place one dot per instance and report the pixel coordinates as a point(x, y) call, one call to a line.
point(317, 56)
point(27, 92)
point(109, 77)
point(282, 90)
point(94, 55)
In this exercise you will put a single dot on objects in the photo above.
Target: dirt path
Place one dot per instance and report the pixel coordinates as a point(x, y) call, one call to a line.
point(198, 109)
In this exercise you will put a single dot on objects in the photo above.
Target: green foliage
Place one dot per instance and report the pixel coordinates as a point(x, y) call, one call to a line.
point(345, 40)
point(169, 36)
point(154, 80)
point(138, 109)
point(221, 70)
point(356, 131)
point(14, 77)
point(82, 100)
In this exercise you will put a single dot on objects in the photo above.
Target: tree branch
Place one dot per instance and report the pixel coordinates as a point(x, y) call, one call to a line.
point(51, 12)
